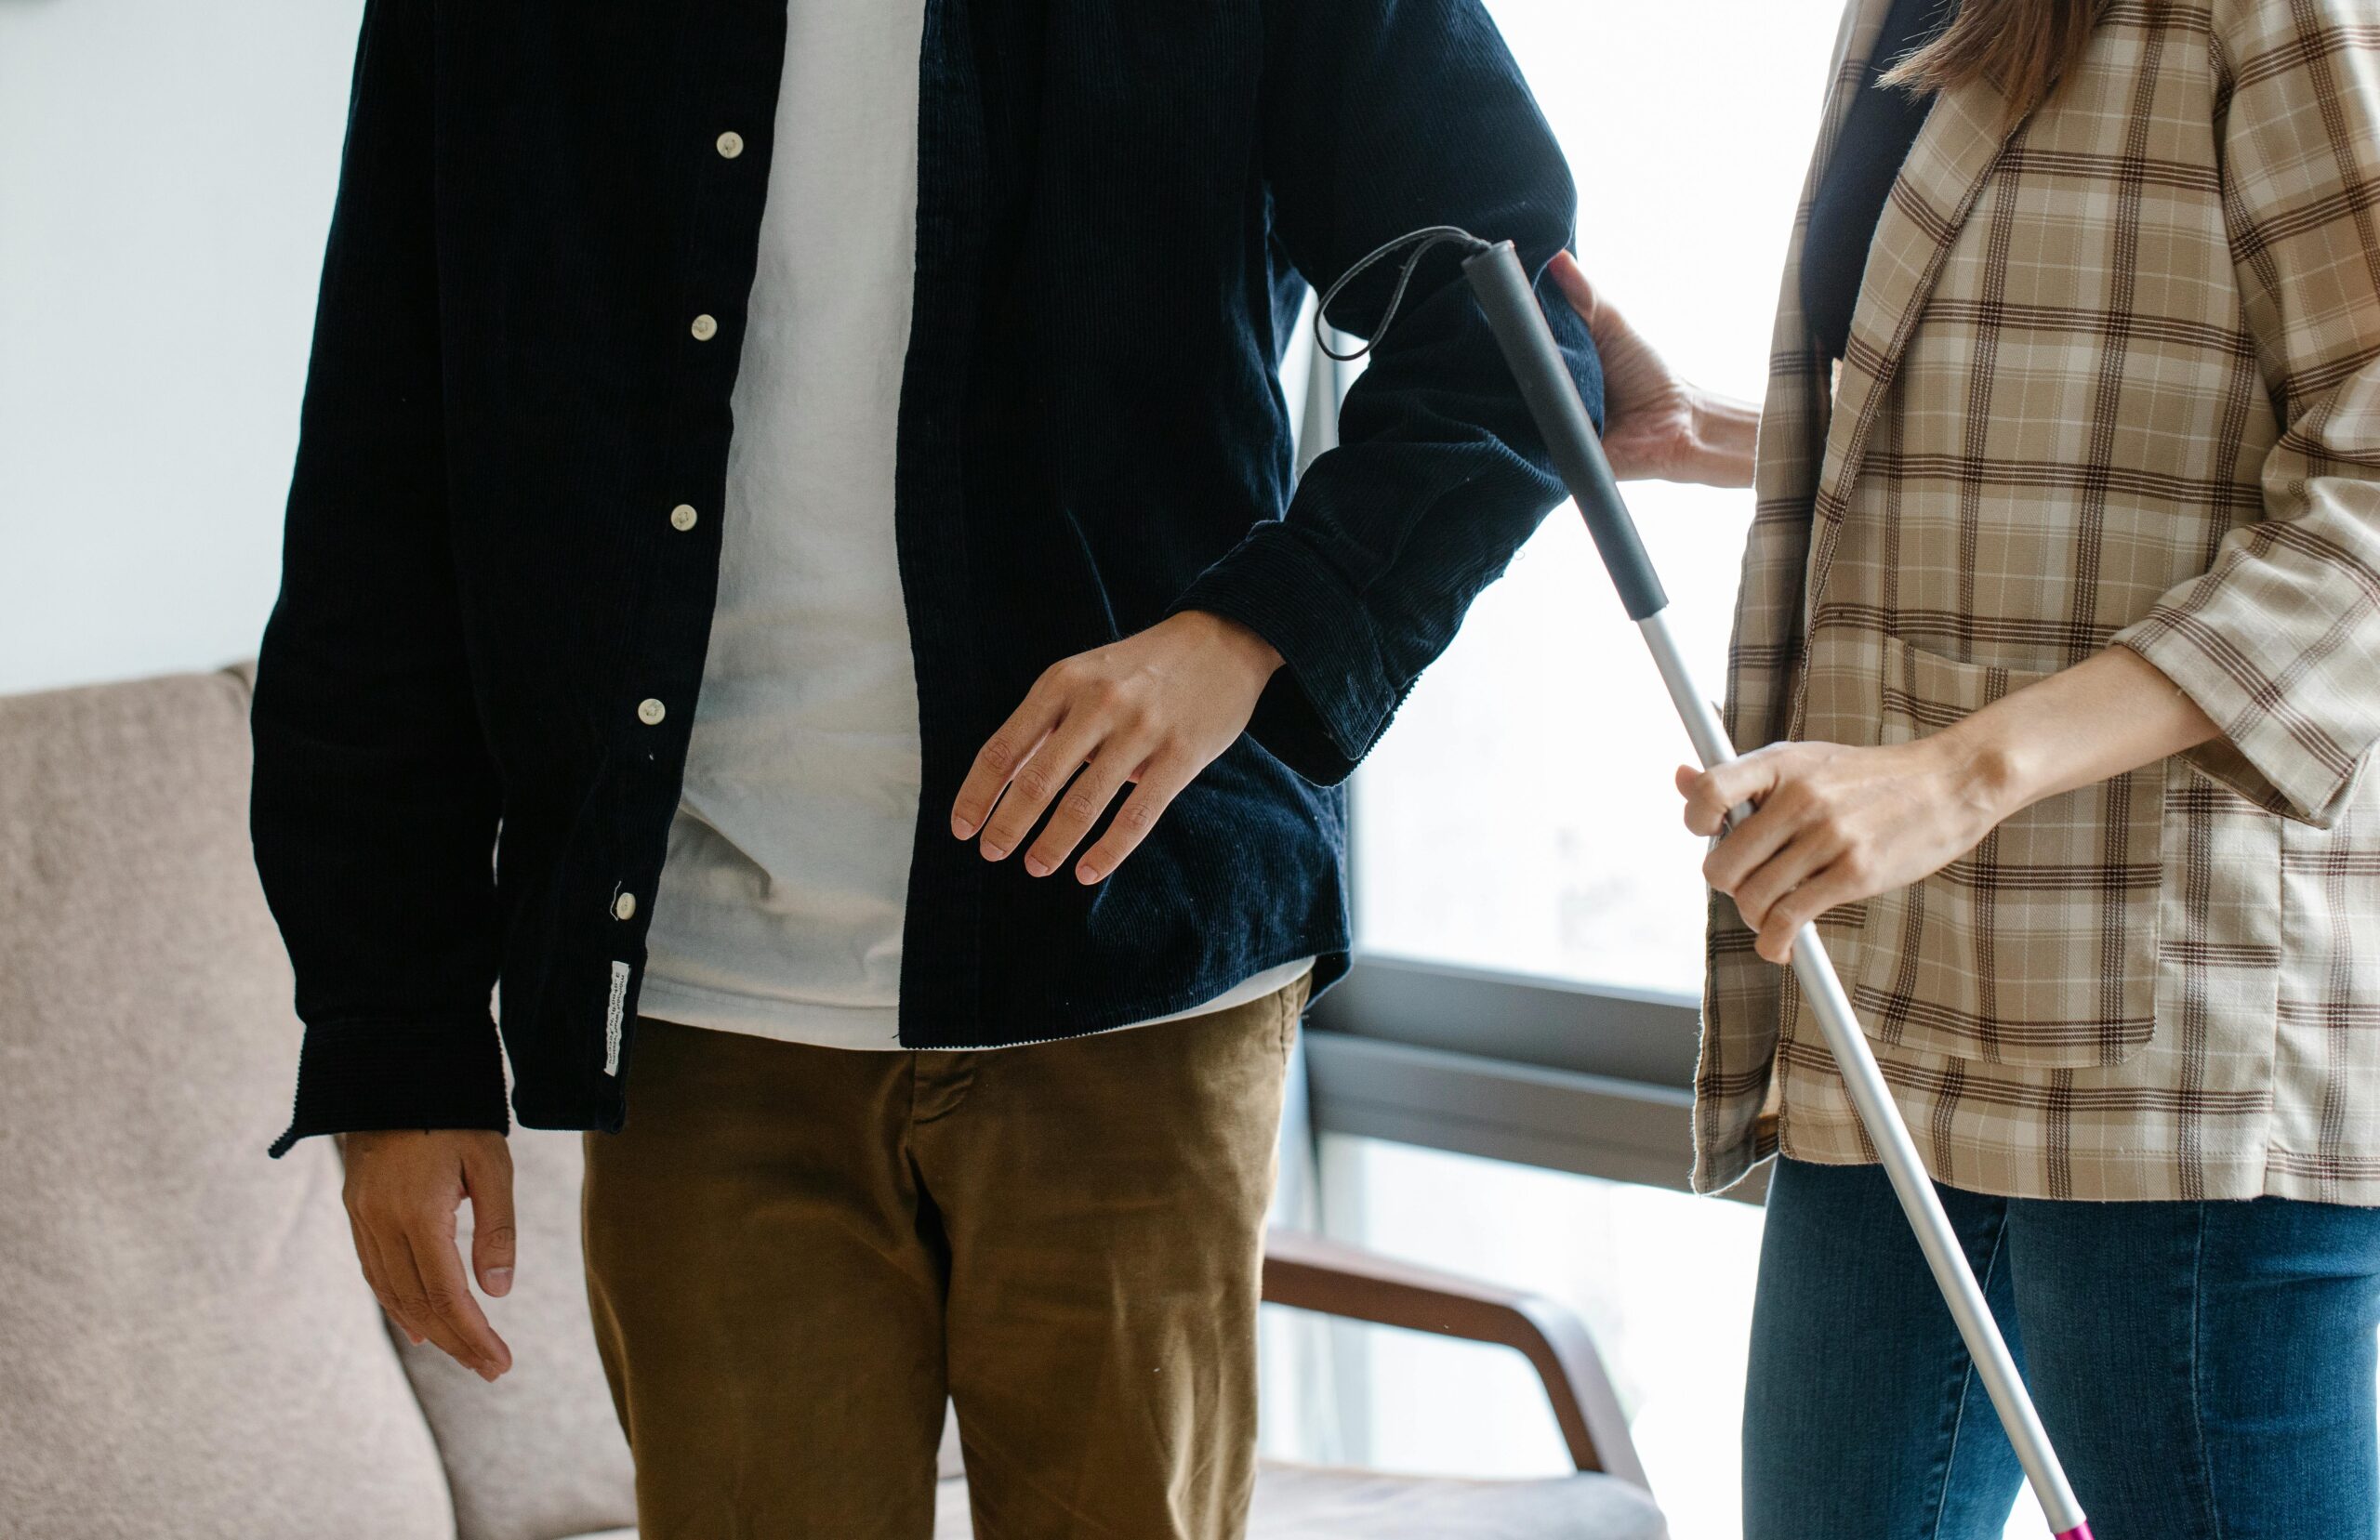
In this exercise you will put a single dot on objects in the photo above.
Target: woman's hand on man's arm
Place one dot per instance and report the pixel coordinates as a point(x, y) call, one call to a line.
point(1658, 427)
point(1836, 825)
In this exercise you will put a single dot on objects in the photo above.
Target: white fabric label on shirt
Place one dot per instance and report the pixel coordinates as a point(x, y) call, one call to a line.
point(611, 1014)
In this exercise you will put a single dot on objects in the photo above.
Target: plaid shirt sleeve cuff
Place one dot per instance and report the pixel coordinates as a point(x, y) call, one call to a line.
point(2279, 643)
point(2263, 645)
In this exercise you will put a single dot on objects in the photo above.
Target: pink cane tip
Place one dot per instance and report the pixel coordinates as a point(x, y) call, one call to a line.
point(2080, 1532)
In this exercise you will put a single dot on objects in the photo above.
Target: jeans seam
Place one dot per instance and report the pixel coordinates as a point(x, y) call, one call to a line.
point(1965, 1382)
point(2197, 1366)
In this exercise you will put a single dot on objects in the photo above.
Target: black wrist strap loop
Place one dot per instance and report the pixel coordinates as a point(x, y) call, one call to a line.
point(1423, 242)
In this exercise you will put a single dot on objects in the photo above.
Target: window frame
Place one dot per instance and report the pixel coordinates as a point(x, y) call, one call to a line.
point(1593, 1079)
point(1590, 1079)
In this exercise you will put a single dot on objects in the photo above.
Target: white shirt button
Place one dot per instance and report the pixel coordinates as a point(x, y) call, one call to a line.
point(651, 712)
point(731, 144)
point(682, 517)
point(623, 907)
point(705, 328)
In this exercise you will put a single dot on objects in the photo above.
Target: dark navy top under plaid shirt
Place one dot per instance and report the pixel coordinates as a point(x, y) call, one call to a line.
point(1882, 126)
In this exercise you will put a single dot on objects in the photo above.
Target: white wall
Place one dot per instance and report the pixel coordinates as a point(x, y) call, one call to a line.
point(167, 171)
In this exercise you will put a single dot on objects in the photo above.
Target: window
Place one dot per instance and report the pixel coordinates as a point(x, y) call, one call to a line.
point(1520, 814)
point(1529, 907)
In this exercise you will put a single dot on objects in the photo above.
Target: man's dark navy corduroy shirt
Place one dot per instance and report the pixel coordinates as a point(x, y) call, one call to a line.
point(475, 695)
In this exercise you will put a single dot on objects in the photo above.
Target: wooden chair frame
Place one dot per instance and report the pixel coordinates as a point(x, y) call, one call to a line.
point(1308, 1273)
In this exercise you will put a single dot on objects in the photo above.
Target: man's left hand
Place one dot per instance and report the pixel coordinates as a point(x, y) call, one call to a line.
point(1152, 710)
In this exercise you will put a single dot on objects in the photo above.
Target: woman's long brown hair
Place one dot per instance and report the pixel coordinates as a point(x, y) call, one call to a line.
point(2024, 48)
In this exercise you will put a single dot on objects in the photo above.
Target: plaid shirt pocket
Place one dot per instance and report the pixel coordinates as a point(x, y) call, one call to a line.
point(2037, 947)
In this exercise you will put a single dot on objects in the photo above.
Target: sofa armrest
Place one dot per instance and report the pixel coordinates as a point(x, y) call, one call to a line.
point(1309, 1273)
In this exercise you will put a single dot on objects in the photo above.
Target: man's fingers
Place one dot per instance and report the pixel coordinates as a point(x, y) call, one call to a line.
point(461, 1329)
point(1037, 782)
point(412, 1298)
point(1080, 808)
point(487, 1178)
point(999, 758)
point(1160, 783)
point(375, 1274)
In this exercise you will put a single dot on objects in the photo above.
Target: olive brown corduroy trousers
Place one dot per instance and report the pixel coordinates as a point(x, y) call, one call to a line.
point(796, 1255)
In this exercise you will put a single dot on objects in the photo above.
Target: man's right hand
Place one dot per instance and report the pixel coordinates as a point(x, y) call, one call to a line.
point(403, 1187)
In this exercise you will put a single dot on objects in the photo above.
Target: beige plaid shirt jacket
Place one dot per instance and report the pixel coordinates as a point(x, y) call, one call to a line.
point(2114, 377)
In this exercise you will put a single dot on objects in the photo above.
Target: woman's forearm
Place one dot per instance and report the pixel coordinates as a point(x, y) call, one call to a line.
point(2113, 713)
point(1833, 824)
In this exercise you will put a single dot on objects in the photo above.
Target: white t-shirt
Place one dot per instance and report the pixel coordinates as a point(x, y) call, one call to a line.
point(780, 907)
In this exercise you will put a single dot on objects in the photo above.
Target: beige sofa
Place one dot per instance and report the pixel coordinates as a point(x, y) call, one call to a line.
point(186, 1350)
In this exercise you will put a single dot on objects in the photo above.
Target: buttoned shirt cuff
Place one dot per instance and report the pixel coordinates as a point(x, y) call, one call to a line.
point(411, 1072)
point(1335, 693)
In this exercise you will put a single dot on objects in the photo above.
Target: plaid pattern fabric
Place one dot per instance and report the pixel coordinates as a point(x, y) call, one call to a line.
point(2114, 379)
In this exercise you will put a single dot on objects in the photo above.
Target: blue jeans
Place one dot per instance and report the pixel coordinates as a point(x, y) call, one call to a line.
point(2205, 1369)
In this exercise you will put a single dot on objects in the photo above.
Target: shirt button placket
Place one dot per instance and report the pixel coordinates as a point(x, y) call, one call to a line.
point(651, 711)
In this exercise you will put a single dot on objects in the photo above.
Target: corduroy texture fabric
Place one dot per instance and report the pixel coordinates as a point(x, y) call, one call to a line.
point(2114, 379)
point(527, 339)
point(796, 1255)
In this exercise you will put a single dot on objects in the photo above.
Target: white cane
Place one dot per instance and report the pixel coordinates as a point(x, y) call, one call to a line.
point(1503, 291)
